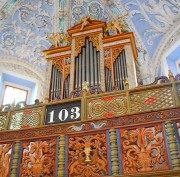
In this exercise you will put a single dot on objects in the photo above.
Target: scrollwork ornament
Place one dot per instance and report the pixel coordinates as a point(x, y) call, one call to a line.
point(79, 42)
point(5, 159)
point(143, 150)
point(38, 158)
point(95, 40)
point(116, 51)
point(87, 156)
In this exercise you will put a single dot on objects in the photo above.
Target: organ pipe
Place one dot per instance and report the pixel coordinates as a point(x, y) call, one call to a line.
point(87, 66)
point(120, 70)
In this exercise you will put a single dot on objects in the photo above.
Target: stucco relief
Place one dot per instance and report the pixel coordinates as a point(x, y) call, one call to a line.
point(24, 34)
point(160, 15)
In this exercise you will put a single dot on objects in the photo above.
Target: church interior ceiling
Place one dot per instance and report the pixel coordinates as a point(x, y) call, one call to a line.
point(25, 24)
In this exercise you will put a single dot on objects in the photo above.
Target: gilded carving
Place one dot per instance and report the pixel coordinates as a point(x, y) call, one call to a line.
point(115, 52)
point(5, 154)
point(66, 71)
point(117, 25)
point(143, 149)
point(95, 40)
point(87, 156)
point(107, 63)
point(38, 158)
point(79, 42)
point(104, 107)
point(58, 39)
point(85, 21)
point(59, 64)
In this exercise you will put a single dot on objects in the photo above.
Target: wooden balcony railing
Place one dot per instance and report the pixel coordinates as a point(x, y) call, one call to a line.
point(95, 106)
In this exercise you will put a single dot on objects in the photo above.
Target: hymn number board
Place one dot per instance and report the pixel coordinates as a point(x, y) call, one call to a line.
point(61, 113)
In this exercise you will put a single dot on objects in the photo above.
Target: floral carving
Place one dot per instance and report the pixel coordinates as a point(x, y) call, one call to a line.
point(143, 149)
point(87, 156)
point(5, 154)
point(115, 53)
point(79, 42)
point(59, 64)
point(95, 40)
point(38, 158)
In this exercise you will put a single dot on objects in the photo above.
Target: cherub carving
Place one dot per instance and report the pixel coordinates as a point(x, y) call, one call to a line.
point(117, 26)
point(85, 21)
point(58, 39)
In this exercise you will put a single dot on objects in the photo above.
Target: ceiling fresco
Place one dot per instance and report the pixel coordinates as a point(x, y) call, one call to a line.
point(24, 24)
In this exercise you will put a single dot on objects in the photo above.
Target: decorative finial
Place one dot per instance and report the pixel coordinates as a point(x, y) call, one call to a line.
point(84, 85)
point(46, 98)
point(126, 83)
point(170, 74)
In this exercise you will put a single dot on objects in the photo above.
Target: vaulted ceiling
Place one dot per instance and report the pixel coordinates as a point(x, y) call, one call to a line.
point(25, 24)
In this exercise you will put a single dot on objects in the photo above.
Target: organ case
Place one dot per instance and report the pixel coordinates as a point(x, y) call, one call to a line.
point(101, 61)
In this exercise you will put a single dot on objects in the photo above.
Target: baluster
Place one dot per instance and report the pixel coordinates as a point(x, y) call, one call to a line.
point(14, 166)
point(173, 147)
point(114, 152)
point(61, 156)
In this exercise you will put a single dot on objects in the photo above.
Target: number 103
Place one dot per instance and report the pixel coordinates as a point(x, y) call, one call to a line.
point(75, 114)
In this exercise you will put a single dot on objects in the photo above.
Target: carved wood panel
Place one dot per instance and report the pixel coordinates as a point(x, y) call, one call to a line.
point(87, 155)
point(38, 158)
point(143, 149)
point(5, 154)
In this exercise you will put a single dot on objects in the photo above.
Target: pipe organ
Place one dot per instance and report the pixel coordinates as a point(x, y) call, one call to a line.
point(100, 60)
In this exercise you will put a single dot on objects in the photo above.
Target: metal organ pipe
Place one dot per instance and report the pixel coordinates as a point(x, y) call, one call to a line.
point(83, 66)
point(92, 82)
point(95, 68)
point(56, 83)
point(87, 62)
point(98, 70)
point(87, 66)
point(120, 70)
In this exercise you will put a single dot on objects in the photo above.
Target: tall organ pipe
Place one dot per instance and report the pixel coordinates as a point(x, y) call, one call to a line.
point(95, 67)
point(87, 66)
point(92, 82)
point(120, 70)
point(87, 62)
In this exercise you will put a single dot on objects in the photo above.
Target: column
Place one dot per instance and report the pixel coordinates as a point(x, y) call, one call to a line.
point(114, 152)
point(173, 147)
point(61, 156)
point(14, 166)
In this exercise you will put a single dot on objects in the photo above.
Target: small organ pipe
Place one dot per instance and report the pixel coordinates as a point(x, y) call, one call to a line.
point(80, 71)
point(95, 67)
point(91, 65)
point(98, 70)
point(77, 73)
point(83, 66)
point(87, 62)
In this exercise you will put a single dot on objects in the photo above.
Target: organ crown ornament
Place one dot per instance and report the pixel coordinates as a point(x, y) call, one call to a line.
point(117, 26)
point(85, 21)
point(58, 39)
